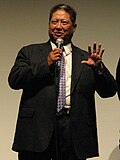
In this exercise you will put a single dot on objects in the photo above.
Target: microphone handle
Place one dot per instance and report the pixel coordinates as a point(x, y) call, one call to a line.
point(59, 45)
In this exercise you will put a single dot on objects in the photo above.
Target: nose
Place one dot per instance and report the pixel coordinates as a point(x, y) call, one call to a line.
point(59, 25)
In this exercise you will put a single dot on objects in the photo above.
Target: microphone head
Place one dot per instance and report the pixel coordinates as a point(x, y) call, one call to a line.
point(59, 42)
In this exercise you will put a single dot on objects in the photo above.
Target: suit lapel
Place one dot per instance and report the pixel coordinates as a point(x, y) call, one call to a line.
point(77, 67)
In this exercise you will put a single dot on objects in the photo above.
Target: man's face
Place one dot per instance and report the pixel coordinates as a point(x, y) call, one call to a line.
point(61, 26)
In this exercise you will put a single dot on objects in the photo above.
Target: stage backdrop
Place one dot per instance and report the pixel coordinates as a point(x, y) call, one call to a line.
point(23, 22)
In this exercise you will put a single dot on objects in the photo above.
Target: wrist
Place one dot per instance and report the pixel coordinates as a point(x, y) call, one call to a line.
point(98, 68)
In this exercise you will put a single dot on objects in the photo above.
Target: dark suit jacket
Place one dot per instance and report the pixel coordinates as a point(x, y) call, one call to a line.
point(118, 78)
point(37, 112)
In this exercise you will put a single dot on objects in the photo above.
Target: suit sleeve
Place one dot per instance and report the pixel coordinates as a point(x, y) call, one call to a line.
point(118, 78)
point(26, 72)
point(105, 83)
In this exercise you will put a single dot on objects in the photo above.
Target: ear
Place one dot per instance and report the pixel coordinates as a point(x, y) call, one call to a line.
point(74, 27)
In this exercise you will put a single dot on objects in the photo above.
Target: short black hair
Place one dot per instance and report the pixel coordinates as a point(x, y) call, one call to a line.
point(67, 9)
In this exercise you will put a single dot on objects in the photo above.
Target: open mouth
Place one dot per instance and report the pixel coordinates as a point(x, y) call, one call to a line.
point(58, 34)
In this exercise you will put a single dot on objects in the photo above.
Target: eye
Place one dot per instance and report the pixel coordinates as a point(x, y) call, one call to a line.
point(54, 21)
point(64, 22)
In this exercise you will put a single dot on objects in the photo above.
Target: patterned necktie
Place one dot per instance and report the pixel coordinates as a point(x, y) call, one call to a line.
point(62, 86)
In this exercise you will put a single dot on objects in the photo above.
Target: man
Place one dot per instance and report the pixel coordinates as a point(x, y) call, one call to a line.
point(43, 132)
point(118, 78)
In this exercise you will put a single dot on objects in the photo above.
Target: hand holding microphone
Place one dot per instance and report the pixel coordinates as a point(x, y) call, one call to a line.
point(55, 55)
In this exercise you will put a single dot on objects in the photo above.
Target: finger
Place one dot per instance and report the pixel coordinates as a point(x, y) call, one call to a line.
point(102, 52)
point(57, 51)
point(89, 50)
point(94, 47)
point(84, 61)
point(99, 48)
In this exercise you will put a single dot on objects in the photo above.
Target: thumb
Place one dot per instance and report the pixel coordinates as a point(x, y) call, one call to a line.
point(84, 61)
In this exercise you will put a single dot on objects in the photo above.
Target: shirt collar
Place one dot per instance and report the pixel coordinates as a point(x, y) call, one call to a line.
point(53, 45)
point(68, 49)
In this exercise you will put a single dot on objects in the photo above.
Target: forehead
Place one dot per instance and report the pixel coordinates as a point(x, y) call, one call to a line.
point(60, 14)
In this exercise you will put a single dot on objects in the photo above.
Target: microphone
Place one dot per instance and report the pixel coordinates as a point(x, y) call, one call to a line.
point(59, 42)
